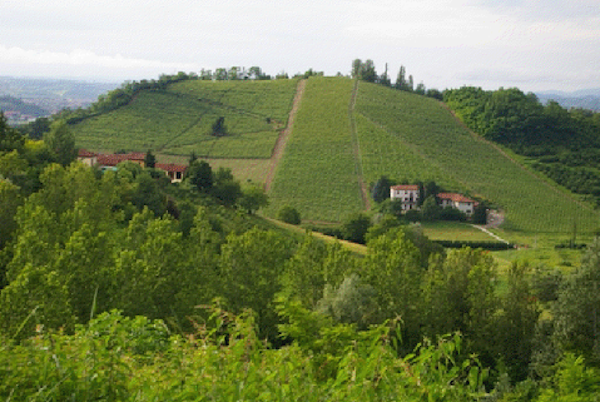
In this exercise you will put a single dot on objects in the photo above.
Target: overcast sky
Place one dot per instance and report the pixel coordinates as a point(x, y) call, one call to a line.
point(531, 44)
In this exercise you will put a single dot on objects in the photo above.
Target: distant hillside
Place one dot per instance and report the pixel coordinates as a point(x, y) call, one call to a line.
point(345, 136)
point(16, 110)
point(585, 99)
point(53, 95)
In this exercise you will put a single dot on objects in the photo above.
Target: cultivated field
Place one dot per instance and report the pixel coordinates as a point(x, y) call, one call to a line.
point(445, 151)
point(317, 174)
point(398, 134)
point(178, 121)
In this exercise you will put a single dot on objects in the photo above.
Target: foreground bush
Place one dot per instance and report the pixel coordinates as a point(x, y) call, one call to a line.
point(119, 358)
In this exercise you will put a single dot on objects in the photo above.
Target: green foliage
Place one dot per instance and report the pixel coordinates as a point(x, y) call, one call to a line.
point(225, 188)
point(573, 382)
point(393, 268)
point(480, 214)
point(458, 295)
point(10, 200)
point(560, 142)
point(578, 308)
point(353, 302)
point(61, 143)
point(199, 174)
point(121, 358)
point(289, 214)
point(149, 160)
point(218, 128)
point(253, 198)
point(250, 266)
point(430, 211)
point(10, 138)
point(381, 189)
point(356, 227)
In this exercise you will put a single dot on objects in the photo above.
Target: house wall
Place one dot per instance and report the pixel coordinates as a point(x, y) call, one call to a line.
point(91, 161)
point(466, 207)
point(409, 198)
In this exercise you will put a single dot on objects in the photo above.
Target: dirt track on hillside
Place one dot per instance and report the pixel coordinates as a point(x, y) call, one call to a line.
point(284, 136)
point(364, 192)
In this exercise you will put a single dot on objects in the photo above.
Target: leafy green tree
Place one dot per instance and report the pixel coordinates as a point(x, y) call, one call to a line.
point(218, 128)
point(393, 268)
point(384, 79)
point(381, 189)
point(220, 74)
point(225, 188)
point(305, 276)
point(458, 295)
point(149, 160)
point(199, 174)
point(367, 71)
point(61, 143)
point(10, 138)
point(430, 210)
point(480, 214)
point(516, 323)
point(289, 214)
point(577, 314)
point(250, 267)
point(420, 89)
point(355, 228)
point(353, 302)
point(356, 68)
point(147, 193)
point(253, 198)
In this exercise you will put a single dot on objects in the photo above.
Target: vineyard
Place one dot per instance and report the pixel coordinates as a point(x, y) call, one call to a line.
point(423, 140)
point(178, 121)
point(401, 135)
point(318, 172)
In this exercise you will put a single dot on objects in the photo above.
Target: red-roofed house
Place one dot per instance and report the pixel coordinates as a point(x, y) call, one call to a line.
point(457, 201)
point(408, 194)
point(110, 161)
point(87, 157)
point(175, 172)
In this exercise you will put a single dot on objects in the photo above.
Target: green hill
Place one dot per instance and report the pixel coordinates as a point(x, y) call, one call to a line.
point(345, 136)
point(177, 121)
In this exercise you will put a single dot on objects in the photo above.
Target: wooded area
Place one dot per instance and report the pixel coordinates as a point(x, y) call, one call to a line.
point(89, 261)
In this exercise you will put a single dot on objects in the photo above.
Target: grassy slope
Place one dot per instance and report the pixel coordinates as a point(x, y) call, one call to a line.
point(423, 140)
point(317, 174)
point(178, 121)
point(399, 134)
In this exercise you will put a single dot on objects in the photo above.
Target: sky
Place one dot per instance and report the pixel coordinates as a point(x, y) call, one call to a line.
point(534, 45)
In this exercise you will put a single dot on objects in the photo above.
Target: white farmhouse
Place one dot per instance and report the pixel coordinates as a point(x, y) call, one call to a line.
point(408, 194)
point(457, 201)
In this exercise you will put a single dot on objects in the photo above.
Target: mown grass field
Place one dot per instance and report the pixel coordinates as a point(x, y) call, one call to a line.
point(178, 121)
point(423, 140)
point(454, 231)
point(317, 174)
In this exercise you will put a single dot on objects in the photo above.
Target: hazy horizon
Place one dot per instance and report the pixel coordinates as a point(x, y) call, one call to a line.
point(533, 45)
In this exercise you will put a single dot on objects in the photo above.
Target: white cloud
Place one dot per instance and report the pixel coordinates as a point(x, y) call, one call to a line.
point(80, 57)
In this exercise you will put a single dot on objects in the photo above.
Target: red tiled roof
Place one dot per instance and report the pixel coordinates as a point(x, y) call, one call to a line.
point(84, 153)
point(115, 159)
point(405, 187)
point(454, 197)
point(171, 167)
point(111, 159)
point(135, 156)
